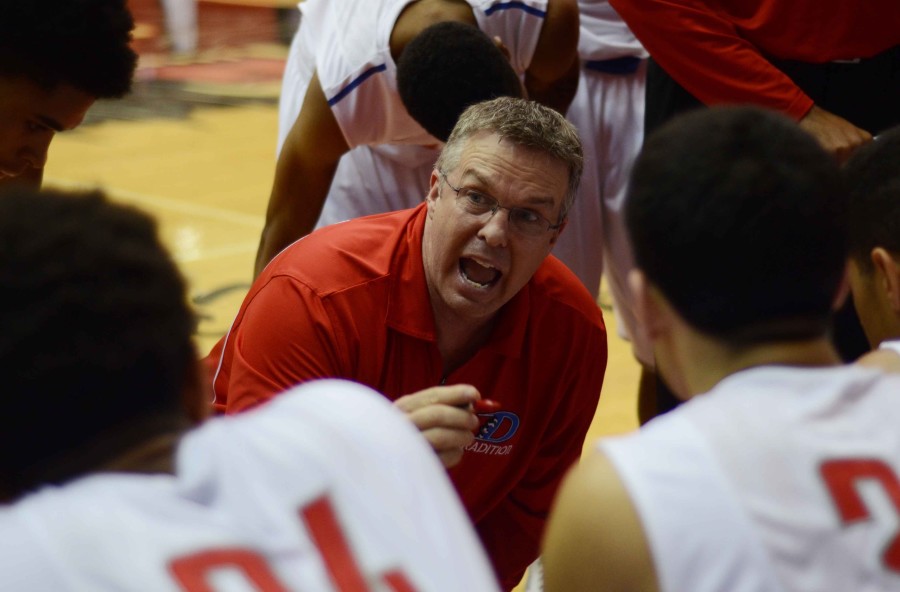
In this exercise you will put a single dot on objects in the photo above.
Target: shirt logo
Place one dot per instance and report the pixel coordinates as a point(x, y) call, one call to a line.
point(496, 427)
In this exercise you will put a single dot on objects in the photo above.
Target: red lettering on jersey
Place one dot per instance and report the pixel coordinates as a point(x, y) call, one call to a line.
point(397, 582)
point(192, 571)
point(327, 535)
point(841, 476)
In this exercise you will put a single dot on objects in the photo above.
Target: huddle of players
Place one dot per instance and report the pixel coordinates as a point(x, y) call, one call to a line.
point(739, 225)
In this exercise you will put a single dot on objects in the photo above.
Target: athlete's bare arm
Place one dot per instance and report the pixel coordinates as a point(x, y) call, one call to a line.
point(552, 77)
point(594, 540)
point(303, 175)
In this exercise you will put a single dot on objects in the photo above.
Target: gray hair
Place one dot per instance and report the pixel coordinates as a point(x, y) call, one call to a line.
point(525, 123)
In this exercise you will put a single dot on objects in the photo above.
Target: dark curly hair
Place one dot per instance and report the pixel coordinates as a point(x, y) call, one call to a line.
point(446, 68)
point(83, 43)
point(95, 334)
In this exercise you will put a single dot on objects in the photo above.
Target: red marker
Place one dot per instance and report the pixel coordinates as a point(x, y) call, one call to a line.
point(485, 405)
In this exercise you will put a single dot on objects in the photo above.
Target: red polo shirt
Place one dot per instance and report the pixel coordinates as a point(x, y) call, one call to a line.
point(716, 49)
point(351, 301)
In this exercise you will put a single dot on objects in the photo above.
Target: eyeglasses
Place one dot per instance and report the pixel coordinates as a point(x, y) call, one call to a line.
point(524, 221)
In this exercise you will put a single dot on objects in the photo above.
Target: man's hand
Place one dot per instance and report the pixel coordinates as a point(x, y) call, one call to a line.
point(445, 416)
point(837, 135)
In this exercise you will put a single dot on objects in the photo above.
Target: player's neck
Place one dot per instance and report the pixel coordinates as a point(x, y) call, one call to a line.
point(155, 455)
point(713, 361)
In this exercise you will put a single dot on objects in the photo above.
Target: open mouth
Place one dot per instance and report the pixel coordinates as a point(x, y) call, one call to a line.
point(478, 275)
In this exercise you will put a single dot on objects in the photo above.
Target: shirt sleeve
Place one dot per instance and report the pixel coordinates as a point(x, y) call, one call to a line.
point(512, 531)
point(703, 51)
point(285, 337)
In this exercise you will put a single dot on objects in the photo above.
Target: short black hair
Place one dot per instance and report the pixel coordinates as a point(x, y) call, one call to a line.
point(447, 67)
point(82, 43)
point(873, 181)
point(739, 217)
point(95, 334)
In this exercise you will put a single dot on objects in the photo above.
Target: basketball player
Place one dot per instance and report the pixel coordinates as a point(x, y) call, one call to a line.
point(328, 488)
point(781, 472)
point(57, 57)
point(873, 179)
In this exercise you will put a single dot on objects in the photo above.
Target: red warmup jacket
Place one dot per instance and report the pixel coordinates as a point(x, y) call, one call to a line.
point(716, 49)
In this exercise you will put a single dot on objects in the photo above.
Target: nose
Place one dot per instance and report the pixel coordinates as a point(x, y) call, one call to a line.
point(495, 230)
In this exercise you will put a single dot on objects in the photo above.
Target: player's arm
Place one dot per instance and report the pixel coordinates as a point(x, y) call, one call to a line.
point(594, 538)
point(552, 77)
point(303, 175)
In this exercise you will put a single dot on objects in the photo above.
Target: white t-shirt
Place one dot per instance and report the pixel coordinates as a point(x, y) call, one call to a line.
point(780, 478)
point(327, 479)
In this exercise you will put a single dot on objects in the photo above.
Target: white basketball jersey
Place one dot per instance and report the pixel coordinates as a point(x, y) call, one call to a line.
point(347, 43)
point(326, 488)
point(778, 479)
point(604, 35)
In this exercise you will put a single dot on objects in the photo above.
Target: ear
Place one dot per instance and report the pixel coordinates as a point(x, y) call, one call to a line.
point(843, 289)
point(558, 231)
point(649, 307)
point(888, 276)
point(434, 191)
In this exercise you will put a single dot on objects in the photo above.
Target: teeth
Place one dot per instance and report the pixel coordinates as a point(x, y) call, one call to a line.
point(473, 282)
point(481, 269)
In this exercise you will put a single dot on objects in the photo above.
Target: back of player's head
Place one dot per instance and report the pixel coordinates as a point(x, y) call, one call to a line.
point(522, 122)
point(873, 183)
point(739, 218)
point(95, 335)
point(446, 68)
point(83, 43)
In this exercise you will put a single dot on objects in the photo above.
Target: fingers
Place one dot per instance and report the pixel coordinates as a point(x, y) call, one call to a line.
point(837, 135)
point(454, 395)
point(445, 417)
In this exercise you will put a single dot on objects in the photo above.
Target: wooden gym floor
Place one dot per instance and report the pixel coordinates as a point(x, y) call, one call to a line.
point(194, 145)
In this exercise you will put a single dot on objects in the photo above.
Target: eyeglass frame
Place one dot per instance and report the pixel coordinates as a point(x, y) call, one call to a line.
point(493, 210)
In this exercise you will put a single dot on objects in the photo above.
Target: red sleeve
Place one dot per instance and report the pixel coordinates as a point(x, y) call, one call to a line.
point(512, 531)
point(704, 53)
point(284, 337)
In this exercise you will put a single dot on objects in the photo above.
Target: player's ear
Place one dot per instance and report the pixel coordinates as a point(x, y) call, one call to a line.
point(650, 307)
point(888, 271)
point(843, 289)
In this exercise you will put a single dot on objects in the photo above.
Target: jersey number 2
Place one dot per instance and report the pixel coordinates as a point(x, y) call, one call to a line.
point(841, 476)
point(193, 571)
